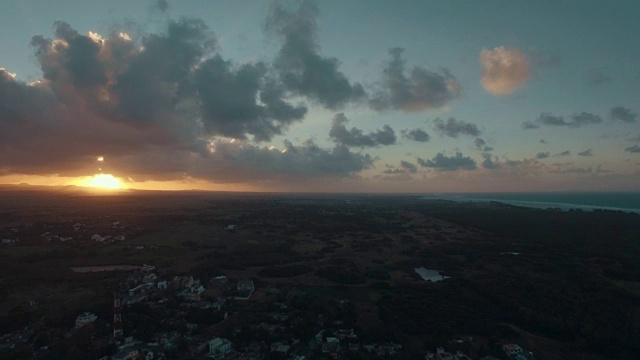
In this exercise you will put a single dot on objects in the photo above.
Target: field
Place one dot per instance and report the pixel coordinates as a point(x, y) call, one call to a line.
point(531, 276)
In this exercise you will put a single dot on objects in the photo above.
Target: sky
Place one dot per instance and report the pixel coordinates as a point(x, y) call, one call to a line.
point(321, 96)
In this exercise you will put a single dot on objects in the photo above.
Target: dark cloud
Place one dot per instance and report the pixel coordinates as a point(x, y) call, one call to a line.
point(548, 119)
point(390, 170)
point(418, 135)
point(156, 107)
point(404, 168)
point(239, 161)
point(520, 167)
point(575, 121)
point(302, 70)
point(229, 103)
point(568, 169)
point(622, 114)
point(481, 145)
point(490, 163)
point(408, 166)
point(596, 76)
point(305, 160)
point(633, 149)
point(453, 128)
point(543, 141)
point(584, 118)
point(419, 90)
point(175, 80)
point(160, 5)
point(587, 152)
point(354, 137)
point(446, 163)
point(564, 153)
point(545, 60)
point(542, 155)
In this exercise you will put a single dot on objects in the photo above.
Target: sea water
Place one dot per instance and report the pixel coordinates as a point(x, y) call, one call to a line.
point(623, 201)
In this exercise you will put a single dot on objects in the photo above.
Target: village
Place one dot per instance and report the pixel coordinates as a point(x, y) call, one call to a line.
point(157, 317)
point(271, 278)
point(251, 324)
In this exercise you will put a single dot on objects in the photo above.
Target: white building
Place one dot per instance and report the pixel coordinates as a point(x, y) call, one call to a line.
point(511, 349)
point(85, 318)
point(219, 347)
point(245, 286)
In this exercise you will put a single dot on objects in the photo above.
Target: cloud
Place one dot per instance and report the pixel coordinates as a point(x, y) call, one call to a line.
point(542, 155)
point(446, 163)
point(551, 120)
point(587, 152)
point(584, 118)
point(564, 153)
point(596, 76)
point(575, 121)
point(453, 128)
point(158, 106)
point(418, 135)
point(481, 145)
point(419, 90)
point(229, 104)
point(160, 5)
point(622, 114)
point(240, 161)
point(503, 70)
point(544, 60)
point(354, 137)
point(406, 167)
point(490, 163)
point(175, 80)
point(567, 168)
point(543, 141)
point(518, 168)
point(302, 70)
point(633, 149)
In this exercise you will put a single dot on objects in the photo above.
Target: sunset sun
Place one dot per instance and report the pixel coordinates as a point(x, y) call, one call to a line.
point(104, 181)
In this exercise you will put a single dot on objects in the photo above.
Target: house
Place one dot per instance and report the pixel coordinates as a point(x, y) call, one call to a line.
point(85, 318)
point(511, 349)
point(245, 286)
point(139, 290)
point(443, 355)
point(98, 238)
point(148, 268)
point(245, 289)
point(193, 293)
point(180, 282)
point(126, 354)
point(219, 347)
point(280, 347)
point(149, 278)
point(332, 345)
point(162, 285)
point(461, 356)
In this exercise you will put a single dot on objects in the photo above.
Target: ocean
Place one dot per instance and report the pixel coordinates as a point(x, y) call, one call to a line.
point(624, 201)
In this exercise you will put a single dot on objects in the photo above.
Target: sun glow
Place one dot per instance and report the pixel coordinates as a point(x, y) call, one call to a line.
point(104, 181)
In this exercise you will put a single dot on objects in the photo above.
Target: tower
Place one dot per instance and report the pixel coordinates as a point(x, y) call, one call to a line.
point(118, 329)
